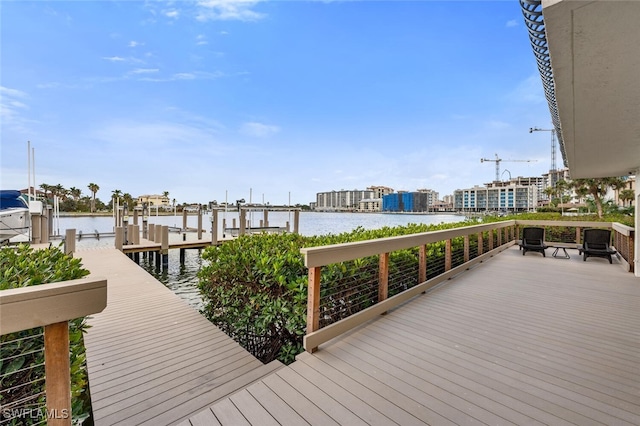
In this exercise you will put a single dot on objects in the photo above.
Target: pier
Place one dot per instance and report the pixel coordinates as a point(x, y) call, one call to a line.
point(151, 358)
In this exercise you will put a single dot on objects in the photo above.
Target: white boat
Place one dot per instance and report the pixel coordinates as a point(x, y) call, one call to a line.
point(14, 215)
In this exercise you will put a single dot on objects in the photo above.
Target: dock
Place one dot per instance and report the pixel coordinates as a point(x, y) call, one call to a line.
point(152, 358)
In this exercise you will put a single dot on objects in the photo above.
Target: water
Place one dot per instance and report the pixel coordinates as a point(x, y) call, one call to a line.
point(182, 278)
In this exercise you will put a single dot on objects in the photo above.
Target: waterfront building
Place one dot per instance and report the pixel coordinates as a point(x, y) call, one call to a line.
point(154, 200)
point(343, 200)
point(402, 201)
point(497, 196)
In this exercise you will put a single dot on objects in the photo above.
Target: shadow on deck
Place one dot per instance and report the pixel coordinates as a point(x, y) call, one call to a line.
point(515, 340)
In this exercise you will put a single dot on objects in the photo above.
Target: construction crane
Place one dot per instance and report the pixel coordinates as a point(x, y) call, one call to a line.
point(553, 144)
point(498, 160)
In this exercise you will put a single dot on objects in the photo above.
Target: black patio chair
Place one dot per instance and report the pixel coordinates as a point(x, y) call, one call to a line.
point(533, 240)
point(596, 242)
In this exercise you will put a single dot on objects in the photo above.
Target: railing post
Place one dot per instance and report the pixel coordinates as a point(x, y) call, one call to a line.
point(313, 302)
point(466, 248)
point(578, 235)
point(57, 373)
point(632, 249)
point(480, 243)
point(199, 221)
point(383, 277)
point(422, 267)
point(447, 255)
point(499, 230)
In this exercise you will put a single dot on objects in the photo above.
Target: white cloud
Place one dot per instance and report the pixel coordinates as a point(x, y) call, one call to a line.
point(258, 129)
point(228, 10)
point(173, 13)
point(145, 70)
point(512, 23)
point(195, 75)
point(14, 93)
point(201, 40)
point(134, 43)
point(113, 58)
point(11, 102)
point(529, 90)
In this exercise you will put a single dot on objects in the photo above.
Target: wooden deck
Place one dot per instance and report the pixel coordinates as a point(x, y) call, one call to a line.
point(518, 340)
point(153, 359)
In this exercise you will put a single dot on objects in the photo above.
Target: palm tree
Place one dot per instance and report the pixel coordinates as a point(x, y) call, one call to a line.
point(75, 193)
point(627, 195)
point(597, 188)
point(46, 188)
point(93, 188)
point(129, 200)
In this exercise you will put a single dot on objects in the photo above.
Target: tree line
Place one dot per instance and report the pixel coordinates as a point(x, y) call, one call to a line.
point(73, 200)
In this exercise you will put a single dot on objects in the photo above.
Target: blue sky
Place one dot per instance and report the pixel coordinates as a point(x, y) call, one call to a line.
point(214, 97)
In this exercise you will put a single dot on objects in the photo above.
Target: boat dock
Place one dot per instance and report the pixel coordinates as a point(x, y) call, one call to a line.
point(152, 358)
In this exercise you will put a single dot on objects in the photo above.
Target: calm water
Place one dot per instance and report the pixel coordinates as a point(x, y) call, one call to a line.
point(182, 278)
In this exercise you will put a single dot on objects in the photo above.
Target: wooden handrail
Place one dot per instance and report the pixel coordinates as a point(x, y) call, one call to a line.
point(317, 257)
point(52, 306)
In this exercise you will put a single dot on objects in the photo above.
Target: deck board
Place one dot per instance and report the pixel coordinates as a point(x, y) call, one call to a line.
point(515, 340)
point(151, 357)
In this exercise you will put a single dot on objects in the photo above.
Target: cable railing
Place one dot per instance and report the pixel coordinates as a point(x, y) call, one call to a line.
point(352, 283)
point(34, 325)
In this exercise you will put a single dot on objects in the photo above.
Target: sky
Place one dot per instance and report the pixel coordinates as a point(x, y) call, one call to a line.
point(269, 101)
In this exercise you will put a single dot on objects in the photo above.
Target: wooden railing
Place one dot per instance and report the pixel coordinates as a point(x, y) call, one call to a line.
point(52, 306)
point(351, 283)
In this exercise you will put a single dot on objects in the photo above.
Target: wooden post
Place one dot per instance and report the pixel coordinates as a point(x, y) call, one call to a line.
point(136, 233)
point(199, 222)
point(500, 236)
point(243, 222)
point(125, 222)
point(313, 302)
point(383, 277)
point(265, 219)
point(447, 255)
point(57, 373)
point(296, 221)
point(44, 225)
point(145, 219)
point(466, 248)
point(632, 248)
point(184, 218)
point(165, 246)
point(70, 241)
point(36, 228)
point(214, 227)
point(135, 216)
point(480, 244)
point(152, 232)
point(119, 237)
point(422, 264)
point(578, 235)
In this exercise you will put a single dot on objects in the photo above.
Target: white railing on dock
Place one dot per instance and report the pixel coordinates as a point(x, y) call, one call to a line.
point(52, 306)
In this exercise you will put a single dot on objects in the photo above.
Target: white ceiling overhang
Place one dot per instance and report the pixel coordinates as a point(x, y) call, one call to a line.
point(595, 57)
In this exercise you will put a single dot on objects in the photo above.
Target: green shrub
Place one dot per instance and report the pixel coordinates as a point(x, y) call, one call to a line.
point(22, 353)
point(255, 287)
